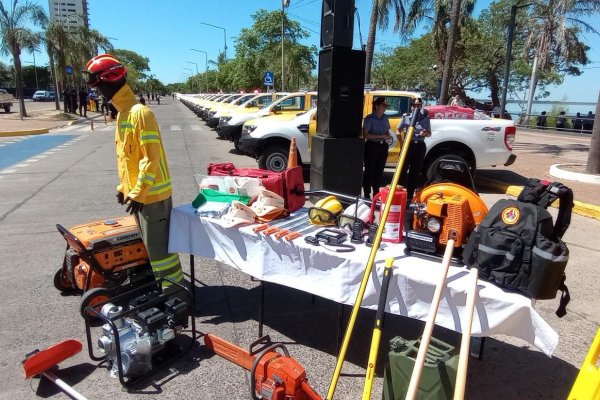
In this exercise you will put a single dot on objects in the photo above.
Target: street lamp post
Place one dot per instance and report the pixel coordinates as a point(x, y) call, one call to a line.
point(191, 62)
point(224, 35)
point(205, 66)
point(284, 4)
point(191, 75)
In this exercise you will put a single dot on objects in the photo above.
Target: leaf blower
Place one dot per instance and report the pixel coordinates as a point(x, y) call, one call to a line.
point(274, 376)
point(441, 212)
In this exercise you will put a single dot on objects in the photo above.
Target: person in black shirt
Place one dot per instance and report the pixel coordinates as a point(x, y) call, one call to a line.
point(83, 101)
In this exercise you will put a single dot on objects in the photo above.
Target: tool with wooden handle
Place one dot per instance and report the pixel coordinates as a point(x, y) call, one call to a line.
point(415, 378)
point(463, 360)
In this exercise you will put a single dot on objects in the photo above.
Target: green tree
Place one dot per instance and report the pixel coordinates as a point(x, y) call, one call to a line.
point(137, 66)
point(258, 49)
point(6, 75)
point(553, 42)
point(15, 35)
point(380, 16)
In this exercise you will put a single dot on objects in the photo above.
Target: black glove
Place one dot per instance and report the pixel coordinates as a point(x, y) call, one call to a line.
point(120, 198)
point(134, 206)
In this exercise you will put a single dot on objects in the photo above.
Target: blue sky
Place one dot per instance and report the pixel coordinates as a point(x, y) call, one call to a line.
point(166, 31)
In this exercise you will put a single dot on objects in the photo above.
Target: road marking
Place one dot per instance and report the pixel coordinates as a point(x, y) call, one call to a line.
point(40, 157)
point(195, 127)
point(21, 165)
point(50, 152)
point(175, 127)
point(8, 171)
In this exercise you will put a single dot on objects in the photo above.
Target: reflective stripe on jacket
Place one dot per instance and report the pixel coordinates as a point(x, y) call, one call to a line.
point(141, 162)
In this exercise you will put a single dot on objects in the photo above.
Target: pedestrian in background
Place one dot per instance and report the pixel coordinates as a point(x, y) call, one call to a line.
point(561, 121)
point(83, 99)
point(376, 132)
point(142, 100)
point(145, 181)
point(411, 170)
point(104, 106)
point(541, 120)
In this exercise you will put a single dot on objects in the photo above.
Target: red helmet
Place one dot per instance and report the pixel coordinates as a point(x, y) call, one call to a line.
point(104, 68)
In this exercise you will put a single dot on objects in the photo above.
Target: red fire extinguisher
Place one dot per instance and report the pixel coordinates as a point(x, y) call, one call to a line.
point(393, 228)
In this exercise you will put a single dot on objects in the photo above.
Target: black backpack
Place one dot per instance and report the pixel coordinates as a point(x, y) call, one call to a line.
point(517, 247)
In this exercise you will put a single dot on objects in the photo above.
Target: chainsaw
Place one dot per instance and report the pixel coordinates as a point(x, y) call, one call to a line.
point(275, 376)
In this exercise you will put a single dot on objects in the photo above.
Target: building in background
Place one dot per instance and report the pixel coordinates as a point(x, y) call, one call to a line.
point(72, 13)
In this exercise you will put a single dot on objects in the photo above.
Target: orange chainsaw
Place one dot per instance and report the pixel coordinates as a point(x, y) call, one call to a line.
point(276, 376)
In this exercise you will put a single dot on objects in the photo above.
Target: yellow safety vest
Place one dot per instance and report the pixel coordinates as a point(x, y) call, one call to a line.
point(141, 161)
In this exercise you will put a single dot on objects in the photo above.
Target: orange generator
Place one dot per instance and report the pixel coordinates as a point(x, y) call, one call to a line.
point(103, 258)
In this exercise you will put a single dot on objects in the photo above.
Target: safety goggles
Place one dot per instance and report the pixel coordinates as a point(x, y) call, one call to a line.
point(321, 216)
point(344, 221)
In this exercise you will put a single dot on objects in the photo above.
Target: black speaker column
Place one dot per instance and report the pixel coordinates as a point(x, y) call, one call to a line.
point(338, 148)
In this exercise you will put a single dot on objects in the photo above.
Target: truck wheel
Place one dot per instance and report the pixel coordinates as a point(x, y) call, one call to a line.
point(274, 158)
point(7, 108)
point(431, 167)
point(91, 298)
point(236, 143)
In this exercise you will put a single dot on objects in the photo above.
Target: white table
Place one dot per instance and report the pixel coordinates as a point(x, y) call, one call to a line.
point(337, 276)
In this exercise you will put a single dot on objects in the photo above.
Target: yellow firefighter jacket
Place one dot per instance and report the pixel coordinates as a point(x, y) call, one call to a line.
point(141, 162)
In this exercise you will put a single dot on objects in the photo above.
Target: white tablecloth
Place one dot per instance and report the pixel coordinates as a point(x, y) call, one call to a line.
point(337, 276)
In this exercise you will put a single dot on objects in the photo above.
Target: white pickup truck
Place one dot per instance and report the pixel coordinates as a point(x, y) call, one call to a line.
point(6, 100)
point(457, 133)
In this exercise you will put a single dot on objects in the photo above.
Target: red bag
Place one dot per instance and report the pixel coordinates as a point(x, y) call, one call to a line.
point(289, 184)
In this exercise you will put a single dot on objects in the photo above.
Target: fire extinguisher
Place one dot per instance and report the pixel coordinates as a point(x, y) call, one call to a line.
point(392, 231)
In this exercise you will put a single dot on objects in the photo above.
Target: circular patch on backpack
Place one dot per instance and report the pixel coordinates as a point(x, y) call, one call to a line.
point(510, 215)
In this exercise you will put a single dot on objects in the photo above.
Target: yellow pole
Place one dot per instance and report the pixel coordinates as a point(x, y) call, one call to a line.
point(370, 261)
point(385, 283)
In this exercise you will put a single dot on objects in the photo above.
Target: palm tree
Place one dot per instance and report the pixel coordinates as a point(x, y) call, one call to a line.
point(380, 15)
point(552, 38)
point(14, 36)
point(439, 13)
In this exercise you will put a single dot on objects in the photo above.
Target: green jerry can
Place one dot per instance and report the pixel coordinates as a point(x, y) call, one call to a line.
point(439, 371)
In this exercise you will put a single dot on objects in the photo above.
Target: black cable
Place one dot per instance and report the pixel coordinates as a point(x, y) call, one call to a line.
point(362, 46)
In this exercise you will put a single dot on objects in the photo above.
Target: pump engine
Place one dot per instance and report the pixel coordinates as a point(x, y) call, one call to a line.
point(133, 336)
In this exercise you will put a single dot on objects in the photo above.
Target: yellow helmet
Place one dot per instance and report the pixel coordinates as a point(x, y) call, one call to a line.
point(325, 211)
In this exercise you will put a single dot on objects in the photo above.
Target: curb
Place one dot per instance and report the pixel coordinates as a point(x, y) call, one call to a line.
point(46, 130)
point(580, 208)
point(25, 133)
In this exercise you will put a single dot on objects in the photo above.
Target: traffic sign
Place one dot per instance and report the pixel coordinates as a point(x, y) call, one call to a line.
point(69, 69)
point(269, 79)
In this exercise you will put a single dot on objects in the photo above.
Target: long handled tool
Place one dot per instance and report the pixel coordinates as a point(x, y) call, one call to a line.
point(371, 260)
point(39, 362)
point(415, 378)
point(463, 360)
point(385, 284)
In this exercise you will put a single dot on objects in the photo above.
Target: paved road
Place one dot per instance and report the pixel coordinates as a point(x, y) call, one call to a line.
point(74, 182)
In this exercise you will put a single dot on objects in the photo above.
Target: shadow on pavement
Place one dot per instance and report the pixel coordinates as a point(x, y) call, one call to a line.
point(504, 370)
point(71, 375)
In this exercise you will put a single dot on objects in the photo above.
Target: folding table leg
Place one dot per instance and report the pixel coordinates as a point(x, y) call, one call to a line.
point(340, 326)
point(193, 290)
point(260, 309)
point(476, 348)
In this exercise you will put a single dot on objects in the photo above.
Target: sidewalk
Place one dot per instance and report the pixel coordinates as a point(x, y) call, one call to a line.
point(39, 122)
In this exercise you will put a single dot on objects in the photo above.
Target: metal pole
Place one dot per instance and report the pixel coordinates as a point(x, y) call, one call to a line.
point(531, 86)
point(511, 32)
point(35, 71)
point(224, 35)
point(205, 67)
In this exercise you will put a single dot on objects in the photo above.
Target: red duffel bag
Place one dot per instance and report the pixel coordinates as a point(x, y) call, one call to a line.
point(289, 184)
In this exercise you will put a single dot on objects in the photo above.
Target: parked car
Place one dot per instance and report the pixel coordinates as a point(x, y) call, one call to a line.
point(44, 95)
point(457, 133)
point(6, 100)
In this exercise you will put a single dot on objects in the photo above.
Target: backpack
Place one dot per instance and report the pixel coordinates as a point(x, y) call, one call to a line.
point(289, 184)
point(518, 247)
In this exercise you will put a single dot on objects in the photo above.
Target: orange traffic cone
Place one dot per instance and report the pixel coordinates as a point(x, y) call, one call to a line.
point(293, 156)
